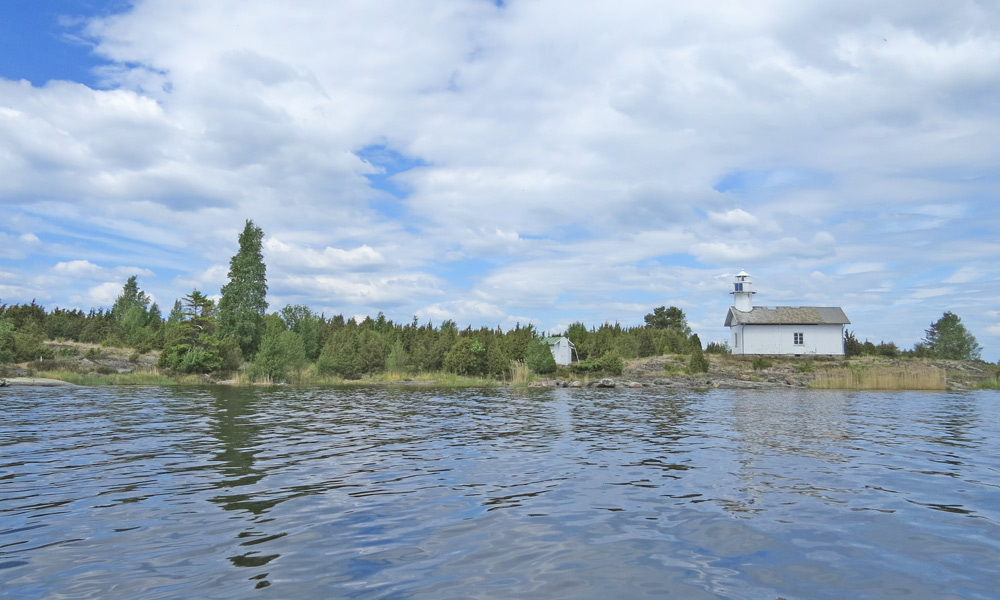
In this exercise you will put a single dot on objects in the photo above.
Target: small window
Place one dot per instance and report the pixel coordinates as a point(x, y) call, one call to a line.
point(799, 338)
point(739, 287)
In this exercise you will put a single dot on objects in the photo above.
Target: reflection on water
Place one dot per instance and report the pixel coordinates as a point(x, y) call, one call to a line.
point(395, 493)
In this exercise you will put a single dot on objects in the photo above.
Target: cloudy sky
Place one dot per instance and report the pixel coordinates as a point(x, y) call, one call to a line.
point(516, 161)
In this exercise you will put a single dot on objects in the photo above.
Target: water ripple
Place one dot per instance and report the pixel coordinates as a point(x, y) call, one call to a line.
point(224, 493)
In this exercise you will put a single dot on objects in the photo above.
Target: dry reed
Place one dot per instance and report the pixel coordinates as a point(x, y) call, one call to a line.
point(520, 374)
point(860, 377)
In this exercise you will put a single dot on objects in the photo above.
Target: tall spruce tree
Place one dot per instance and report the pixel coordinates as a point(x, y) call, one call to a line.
point(131, 297)
point(243, 303)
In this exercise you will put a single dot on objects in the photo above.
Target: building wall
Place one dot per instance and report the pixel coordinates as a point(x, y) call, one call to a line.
point(562, 352)
point(780, 339)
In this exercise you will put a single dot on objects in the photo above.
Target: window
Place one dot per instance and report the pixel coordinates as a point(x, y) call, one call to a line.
point(739, 287)
point(798, 338)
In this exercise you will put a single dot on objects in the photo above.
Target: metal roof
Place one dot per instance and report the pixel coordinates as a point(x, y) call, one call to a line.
point(788, 315)
point(551, 341)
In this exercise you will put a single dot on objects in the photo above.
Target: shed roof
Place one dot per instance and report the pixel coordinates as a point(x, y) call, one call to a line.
point(552, 341)
point(788, 315)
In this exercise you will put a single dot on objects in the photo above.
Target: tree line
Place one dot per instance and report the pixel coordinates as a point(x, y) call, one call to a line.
point(946, 338)
point(199, 335)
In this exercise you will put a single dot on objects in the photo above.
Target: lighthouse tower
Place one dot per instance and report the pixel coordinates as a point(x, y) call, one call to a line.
point(743, 292)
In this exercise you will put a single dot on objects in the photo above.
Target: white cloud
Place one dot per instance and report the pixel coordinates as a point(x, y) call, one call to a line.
point(17, 247)
point(103, 294)
point(362, 257)
point(736, 217)
point(966, 274)
point(570, 158)
point(84, 269)
point(78, 268)
point(922, 294)
point(861, 267)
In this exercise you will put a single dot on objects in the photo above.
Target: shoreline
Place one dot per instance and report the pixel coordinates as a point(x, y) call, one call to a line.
point(34, 382)
point(661, 372)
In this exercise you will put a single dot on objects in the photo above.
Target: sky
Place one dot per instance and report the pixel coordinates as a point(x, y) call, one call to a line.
point(512, 161)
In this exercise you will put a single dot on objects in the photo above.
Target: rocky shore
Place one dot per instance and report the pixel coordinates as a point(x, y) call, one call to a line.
point(734, 372)
point(725, 372)
point(31, 382)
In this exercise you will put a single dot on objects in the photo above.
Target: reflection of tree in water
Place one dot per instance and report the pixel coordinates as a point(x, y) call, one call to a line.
point(956, 418)
point(951, 426)
point(239, 431)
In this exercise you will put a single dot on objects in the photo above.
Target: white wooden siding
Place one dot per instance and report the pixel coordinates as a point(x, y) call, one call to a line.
point(562, 352)
point(780, 339)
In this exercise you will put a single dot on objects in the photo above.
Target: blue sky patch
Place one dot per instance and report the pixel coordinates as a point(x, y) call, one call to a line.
point(41, 41)
point(747, 182)
point(390, 163)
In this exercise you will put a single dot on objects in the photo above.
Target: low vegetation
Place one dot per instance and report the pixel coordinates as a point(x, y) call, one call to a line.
point(883, 377)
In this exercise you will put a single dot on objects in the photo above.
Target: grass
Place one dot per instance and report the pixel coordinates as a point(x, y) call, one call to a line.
point(520, 374)
point(671, 369)
point(990, 384)
point(881, 377)
point(139, 377)
point(309, 377)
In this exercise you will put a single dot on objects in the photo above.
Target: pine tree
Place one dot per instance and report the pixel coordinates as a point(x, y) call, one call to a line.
point(243, 302)
point(948, 338)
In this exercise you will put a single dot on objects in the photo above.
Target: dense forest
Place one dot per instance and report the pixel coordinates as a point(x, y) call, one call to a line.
point(199, 335)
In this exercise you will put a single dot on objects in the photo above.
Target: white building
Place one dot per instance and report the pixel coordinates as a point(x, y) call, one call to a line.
point(562, 349)
point(782, 329)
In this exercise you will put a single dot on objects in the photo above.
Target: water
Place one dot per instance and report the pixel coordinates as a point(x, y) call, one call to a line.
point(382, 493)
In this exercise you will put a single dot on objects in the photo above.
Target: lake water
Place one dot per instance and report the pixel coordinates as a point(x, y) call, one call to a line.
point(414, 493)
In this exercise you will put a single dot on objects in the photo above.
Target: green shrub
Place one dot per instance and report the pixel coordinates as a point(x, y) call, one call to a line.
point(539, 358)
point(230, 355)
point(761, 362)
point(50, 364)
point(697, 363)
point(27, 343)
point(280, 352)
point(343, 365)
point(339, 357)
point(398, 359)
point(6, 340)
point(187, 358)
point(610, 363)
